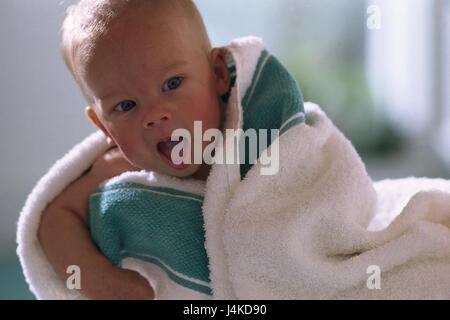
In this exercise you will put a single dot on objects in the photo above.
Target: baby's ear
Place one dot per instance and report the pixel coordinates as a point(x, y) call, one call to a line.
point(90, 113)
point(221, 72)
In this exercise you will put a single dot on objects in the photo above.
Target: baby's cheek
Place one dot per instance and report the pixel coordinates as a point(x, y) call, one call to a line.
point(212, 115)
point(138, 155)
point(126, 149)
point(208, 110)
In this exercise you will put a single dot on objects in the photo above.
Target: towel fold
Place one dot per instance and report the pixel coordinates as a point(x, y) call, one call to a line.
point(323, 230)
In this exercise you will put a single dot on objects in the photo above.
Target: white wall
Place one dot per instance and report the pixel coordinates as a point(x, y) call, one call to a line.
point(41, 110)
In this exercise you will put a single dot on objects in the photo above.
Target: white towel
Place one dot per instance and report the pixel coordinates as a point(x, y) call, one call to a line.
point(303, 233)
point(319, 229)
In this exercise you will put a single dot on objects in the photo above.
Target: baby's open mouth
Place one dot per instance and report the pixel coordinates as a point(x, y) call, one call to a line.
point(165, 148)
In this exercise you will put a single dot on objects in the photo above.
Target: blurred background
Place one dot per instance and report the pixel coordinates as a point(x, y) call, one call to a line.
point(380, 69)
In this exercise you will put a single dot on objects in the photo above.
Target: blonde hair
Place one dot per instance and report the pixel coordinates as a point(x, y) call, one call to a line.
point(88, 20)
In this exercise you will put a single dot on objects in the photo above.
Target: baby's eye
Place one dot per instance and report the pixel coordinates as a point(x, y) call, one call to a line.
point(124, 106)
point(172, 83)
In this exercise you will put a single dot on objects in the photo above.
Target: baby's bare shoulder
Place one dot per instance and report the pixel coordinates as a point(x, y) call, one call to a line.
point(110, 164)
point(76, 196)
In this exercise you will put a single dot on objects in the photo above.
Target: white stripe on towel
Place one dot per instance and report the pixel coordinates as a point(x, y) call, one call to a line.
point(147, 190)
point(297, 115)
point(180, 275)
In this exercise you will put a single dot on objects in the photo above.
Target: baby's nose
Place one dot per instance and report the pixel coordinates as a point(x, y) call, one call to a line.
point(155, 118)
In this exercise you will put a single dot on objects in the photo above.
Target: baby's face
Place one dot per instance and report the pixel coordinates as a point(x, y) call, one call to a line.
point(148, 77)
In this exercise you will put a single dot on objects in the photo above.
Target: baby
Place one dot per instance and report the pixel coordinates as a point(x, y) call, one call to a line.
point(178, 230)
point(146, 68)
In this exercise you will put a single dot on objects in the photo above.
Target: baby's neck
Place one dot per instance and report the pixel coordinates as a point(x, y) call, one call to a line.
point(202, 173)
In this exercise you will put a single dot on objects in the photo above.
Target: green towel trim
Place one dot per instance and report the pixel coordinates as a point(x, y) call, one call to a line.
point(164, 223)
point(272, 98)
point(130, 185)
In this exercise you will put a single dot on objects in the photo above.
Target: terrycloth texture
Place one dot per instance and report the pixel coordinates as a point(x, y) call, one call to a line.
point(157, 222)
point(305, 232)
point(308, 224)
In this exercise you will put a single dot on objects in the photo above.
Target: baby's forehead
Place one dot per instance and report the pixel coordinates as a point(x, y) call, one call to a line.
point(90, 19)
point(179, 13)
point(123, 21)
point(155, 20)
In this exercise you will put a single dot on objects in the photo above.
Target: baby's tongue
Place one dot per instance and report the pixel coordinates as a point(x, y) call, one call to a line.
point(166, 148)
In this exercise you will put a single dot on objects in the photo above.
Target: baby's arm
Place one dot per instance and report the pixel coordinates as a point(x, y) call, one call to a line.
point(65, 237)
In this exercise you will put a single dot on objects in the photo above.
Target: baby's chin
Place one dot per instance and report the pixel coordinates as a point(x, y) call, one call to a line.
point(189, 172)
